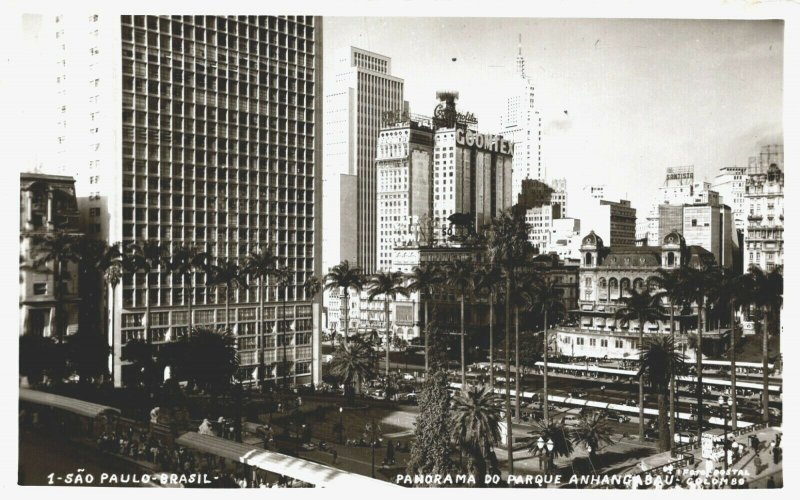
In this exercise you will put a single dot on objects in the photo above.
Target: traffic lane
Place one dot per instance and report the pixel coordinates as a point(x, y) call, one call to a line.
point(619, 392)
point(629, 392)
point(41, 455)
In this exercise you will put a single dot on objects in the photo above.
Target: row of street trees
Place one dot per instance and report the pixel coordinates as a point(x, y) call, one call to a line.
point(717, 293)
point(101, 266)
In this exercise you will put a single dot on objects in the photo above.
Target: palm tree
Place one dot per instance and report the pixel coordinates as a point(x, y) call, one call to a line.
point(57, 248)
point(768, 296)
point(353, 364)
point(312, 287)
point(487, 282)
point(475, 426)
point(459, 278)
point(694, 286)
point(642, 307)
point(660, 363)
point(389, 285)
point(112, 276)
point(260, 266)
point(508, 248)
point(524, 291)
point(731, 292)
point(550, 430)
point(96, 258)
point(424, 279)
point(185, 260)
point(227, 274)
point(283, 279)
point(93, 257)
point(593, 432)
point(146, 256)
point(345, 277)
point(669, 285)
point(547, 302)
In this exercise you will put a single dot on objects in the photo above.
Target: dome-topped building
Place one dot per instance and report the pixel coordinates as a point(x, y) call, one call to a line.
point(610, 274)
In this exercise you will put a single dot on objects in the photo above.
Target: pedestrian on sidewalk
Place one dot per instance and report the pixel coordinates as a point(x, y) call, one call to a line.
point(335, 454)
point(776, 455)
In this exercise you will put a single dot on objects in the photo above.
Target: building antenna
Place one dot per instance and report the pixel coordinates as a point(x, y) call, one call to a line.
point(520, 59)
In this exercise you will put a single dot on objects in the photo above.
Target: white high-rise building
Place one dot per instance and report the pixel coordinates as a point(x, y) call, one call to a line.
point(679, 189)
point(404, 164)
point(202, 130)
point(364, 89)
point(730, 184)
point(540, 226)
point(521, 123)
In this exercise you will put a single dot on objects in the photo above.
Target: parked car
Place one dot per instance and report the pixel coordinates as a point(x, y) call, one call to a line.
point(408, 377)
point(685, 437)
point(571, 420)
point(376, 393)
point(617, 417)
point(410, 397)
point(578, 394)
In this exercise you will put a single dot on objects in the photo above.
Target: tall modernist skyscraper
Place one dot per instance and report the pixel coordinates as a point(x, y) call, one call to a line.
point(521, 123)
point(404, 166)
point(207, 132)
point(364, 89)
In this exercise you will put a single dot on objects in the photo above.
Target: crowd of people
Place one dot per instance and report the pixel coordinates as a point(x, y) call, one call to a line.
point(144, 446)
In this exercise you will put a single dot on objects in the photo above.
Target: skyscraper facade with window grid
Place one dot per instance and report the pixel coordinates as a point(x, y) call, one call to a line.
point(364, 89)
point(212, 138)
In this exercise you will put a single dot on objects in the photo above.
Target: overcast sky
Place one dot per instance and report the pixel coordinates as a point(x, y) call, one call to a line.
point(639, 95)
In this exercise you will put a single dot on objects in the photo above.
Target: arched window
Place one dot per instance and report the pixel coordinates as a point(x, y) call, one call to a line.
point(588, 260)
point(613, 288)
point(671, 259)
point(602, 291)
point(625, 286)
point(638, 284)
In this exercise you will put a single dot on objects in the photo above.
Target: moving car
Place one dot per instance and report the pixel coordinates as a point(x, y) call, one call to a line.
point(617, 417)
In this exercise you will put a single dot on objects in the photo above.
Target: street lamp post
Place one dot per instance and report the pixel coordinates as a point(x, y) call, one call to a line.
point(724, 404)
point(341, 426)
point(550, 455)
point(540, 445)
point(372, 443)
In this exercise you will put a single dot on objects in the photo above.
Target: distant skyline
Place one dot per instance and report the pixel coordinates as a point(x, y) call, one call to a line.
point(639, 95)
point(622, 99)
